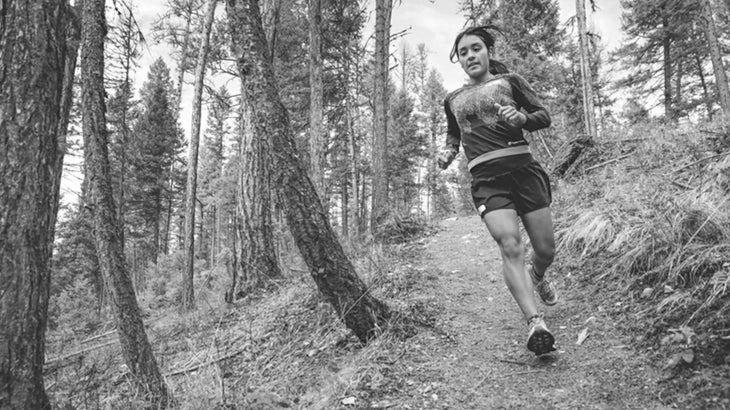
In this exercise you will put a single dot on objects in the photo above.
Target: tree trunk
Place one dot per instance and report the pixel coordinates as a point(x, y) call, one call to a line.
point(345, 200)
point(332, 271)
point(383, 9)
point(723, 90)
point(32, 46)
point(705, 90)
point(232, 263)
point(666, 46)
point(316, 125)
point(589, 113)
point(258, 252)
point(270, 13)
point(188, 292)
point(678, 88)
point(136, 349)
point(168, 218)
point(349, 109)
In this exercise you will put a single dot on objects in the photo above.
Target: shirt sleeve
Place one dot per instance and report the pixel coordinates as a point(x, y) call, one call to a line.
point(525, 97)
point(453, 133)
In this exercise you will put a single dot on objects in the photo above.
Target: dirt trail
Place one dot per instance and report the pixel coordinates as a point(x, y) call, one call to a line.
point(481, 361)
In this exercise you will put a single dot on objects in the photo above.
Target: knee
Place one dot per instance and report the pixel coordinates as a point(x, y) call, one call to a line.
point(545, 252)
point(511, 247)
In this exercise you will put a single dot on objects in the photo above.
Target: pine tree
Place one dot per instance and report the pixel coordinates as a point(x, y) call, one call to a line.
point(654, 30)
point(155, 144)
point(406, 149)
point(188, 294)
point(432, 98)
point(122, 54)
point(176, 27)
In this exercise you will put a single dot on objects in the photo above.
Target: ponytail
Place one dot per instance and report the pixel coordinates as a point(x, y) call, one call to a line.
point(497, 67)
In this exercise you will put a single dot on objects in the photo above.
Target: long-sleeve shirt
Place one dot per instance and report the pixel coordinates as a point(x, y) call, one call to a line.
point(474, 123)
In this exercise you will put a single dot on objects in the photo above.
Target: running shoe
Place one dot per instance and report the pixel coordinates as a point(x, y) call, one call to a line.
point(547, 291)
point(539, 340)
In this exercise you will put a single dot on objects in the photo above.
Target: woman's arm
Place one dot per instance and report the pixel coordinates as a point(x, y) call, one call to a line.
point(525, 97)
point(453, 138)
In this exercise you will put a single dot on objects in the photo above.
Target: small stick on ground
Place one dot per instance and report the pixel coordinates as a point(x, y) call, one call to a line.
point(610, 161)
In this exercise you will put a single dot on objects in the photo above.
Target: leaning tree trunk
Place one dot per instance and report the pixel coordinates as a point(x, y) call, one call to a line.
point(332, 271)
point(188, 292)
point(136, 348)
point(32, 58)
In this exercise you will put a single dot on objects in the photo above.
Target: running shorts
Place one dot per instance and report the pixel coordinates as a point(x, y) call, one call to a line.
point(524, 189)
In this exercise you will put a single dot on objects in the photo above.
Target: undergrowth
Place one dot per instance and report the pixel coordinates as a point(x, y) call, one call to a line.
point(652, 230)
point(280, 347)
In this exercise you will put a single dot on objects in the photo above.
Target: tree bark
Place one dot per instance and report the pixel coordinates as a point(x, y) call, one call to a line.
point(723, 90)
point(258, 252)
point(188, 291)
point(589, 112)
point(270, 13)
point(705, 90)
point(352, 145)
point(316, 126)
point(136, 349)
point(332, 271)
point(32, 60)
point(383, 9)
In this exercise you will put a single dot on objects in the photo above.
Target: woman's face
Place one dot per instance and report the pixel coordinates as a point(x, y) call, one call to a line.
point(474, 57)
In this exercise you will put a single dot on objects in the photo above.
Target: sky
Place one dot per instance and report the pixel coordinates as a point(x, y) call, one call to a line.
point(432, 22)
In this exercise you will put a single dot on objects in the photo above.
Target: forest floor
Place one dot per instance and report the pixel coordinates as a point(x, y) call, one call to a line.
point(475, 357)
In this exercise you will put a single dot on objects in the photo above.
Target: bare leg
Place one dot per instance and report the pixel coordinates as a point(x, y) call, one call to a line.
point(539, 227)
point(504, 228)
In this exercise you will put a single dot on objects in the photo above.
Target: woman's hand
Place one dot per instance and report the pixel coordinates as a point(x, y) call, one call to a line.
point(446, 156)
point(510, 115)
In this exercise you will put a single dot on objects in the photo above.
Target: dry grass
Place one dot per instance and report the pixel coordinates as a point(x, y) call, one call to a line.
point(657, 222)
point(652, 230)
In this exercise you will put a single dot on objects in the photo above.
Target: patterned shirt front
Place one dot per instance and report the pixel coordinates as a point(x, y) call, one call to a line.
point(473, 121)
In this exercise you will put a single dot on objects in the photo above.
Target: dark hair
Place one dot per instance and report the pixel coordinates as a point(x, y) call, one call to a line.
point(495, 66)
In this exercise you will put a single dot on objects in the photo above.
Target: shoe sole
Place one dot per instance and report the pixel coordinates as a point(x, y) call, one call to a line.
point(541, 342)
